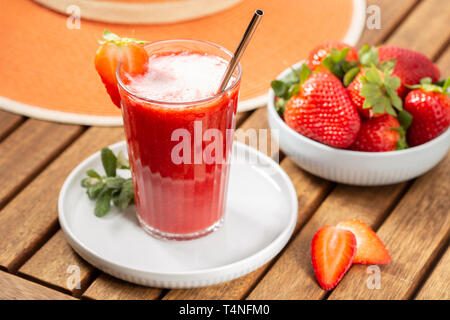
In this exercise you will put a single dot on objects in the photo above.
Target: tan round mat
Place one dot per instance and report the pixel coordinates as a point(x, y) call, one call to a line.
point(47, 69)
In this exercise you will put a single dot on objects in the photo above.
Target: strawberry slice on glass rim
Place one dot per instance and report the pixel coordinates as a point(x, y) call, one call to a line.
point(128, 52)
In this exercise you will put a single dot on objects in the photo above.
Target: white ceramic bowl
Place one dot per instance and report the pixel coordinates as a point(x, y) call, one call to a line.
point(355, 167)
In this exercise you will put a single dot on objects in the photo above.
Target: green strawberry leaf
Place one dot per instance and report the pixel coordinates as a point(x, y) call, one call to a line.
point(304, 73)
point(337, 63)
point(289, 86)
point(405, 119)
point(427, 85)
point(388, 65)
point(350, 75)
point(368, 56)
point(279, 88)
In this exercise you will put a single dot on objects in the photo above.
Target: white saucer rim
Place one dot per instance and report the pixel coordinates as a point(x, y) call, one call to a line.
point(279, 242)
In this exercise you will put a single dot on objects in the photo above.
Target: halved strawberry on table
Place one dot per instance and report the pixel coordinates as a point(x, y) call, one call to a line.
point(429, 105)
point(369, 248)
point(332, 252)
point(114, 50)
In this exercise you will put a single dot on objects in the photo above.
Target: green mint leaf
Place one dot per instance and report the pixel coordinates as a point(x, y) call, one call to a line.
point(103, 204)
point(405, 119)
point(279, 88)
point(114, 182)
point(89, 182)
point(350, 75)
point(122, 161)
point(126, 195)
point(109, 162)
point(305, 73)
point(94, 191)
point(93, 174)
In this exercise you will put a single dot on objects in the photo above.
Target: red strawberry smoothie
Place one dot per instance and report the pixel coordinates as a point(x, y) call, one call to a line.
point(169, 107)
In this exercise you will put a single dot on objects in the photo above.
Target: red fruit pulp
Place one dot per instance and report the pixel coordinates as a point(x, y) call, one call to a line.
point(175, 199)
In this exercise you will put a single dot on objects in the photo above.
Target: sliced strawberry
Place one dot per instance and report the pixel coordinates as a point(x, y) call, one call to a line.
point(114, 50)
point(332, 253)
point(369, 248)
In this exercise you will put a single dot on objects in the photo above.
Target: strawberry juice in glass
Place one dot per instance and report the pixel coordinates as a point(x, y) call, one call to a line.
point(179, 134)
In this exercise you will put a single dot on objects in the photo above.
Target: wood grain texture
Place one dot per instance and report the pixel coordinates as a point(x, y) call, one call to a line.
point(256, 133)
point(15, 288)
point(106, 287)
point(27, 150)
point(8, 122)
point(391, 13)
point(235, 289)
point(241, 117)
point(414, 233)
point(443, 63)
point(437, 286)
point(422, 30)
point(31, 217)
point(292, 275)
point(51, 263)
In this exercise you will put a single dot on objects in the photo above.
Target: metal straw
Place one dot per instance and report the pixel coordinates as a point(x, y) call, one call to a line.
point(241, 48)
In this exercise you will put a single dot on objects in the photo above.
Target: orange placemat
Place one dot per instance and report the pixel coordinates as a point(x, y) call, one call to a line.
point(47, 69)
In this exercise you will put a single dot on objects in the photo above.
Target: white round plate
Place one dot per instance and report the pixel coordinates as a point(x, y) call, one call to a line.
point(259, 220)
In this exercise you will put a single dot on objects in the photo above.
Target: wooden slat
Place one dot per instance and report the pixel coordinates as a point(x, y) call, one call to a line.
point(414, 232)
point(241, 117)
point(423, 29)
point(437, 286)
point(8, 122)
point(15, 288)
point(254, 126)
point(106, 287)
point(443, 63)
point(48, 267)
point(391, 13)
point(27, 150)
point(31, 217)
point(292, 274)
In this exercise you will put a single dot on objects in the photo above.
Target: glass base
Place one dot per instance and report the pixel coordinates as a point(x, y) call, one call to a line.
point(156, 233)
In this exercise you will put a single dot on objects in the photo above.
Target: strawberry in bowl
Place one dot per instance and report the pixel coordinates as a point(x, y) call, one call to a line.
point(376, 119)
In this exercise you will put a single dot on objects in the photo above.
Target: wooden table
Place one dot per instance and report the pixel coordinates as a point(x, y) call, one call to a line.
point(412, 218)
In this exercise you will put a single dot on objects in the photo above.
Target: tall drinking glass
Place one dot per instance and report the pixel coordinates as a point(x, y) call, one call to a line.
point(179, 150)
